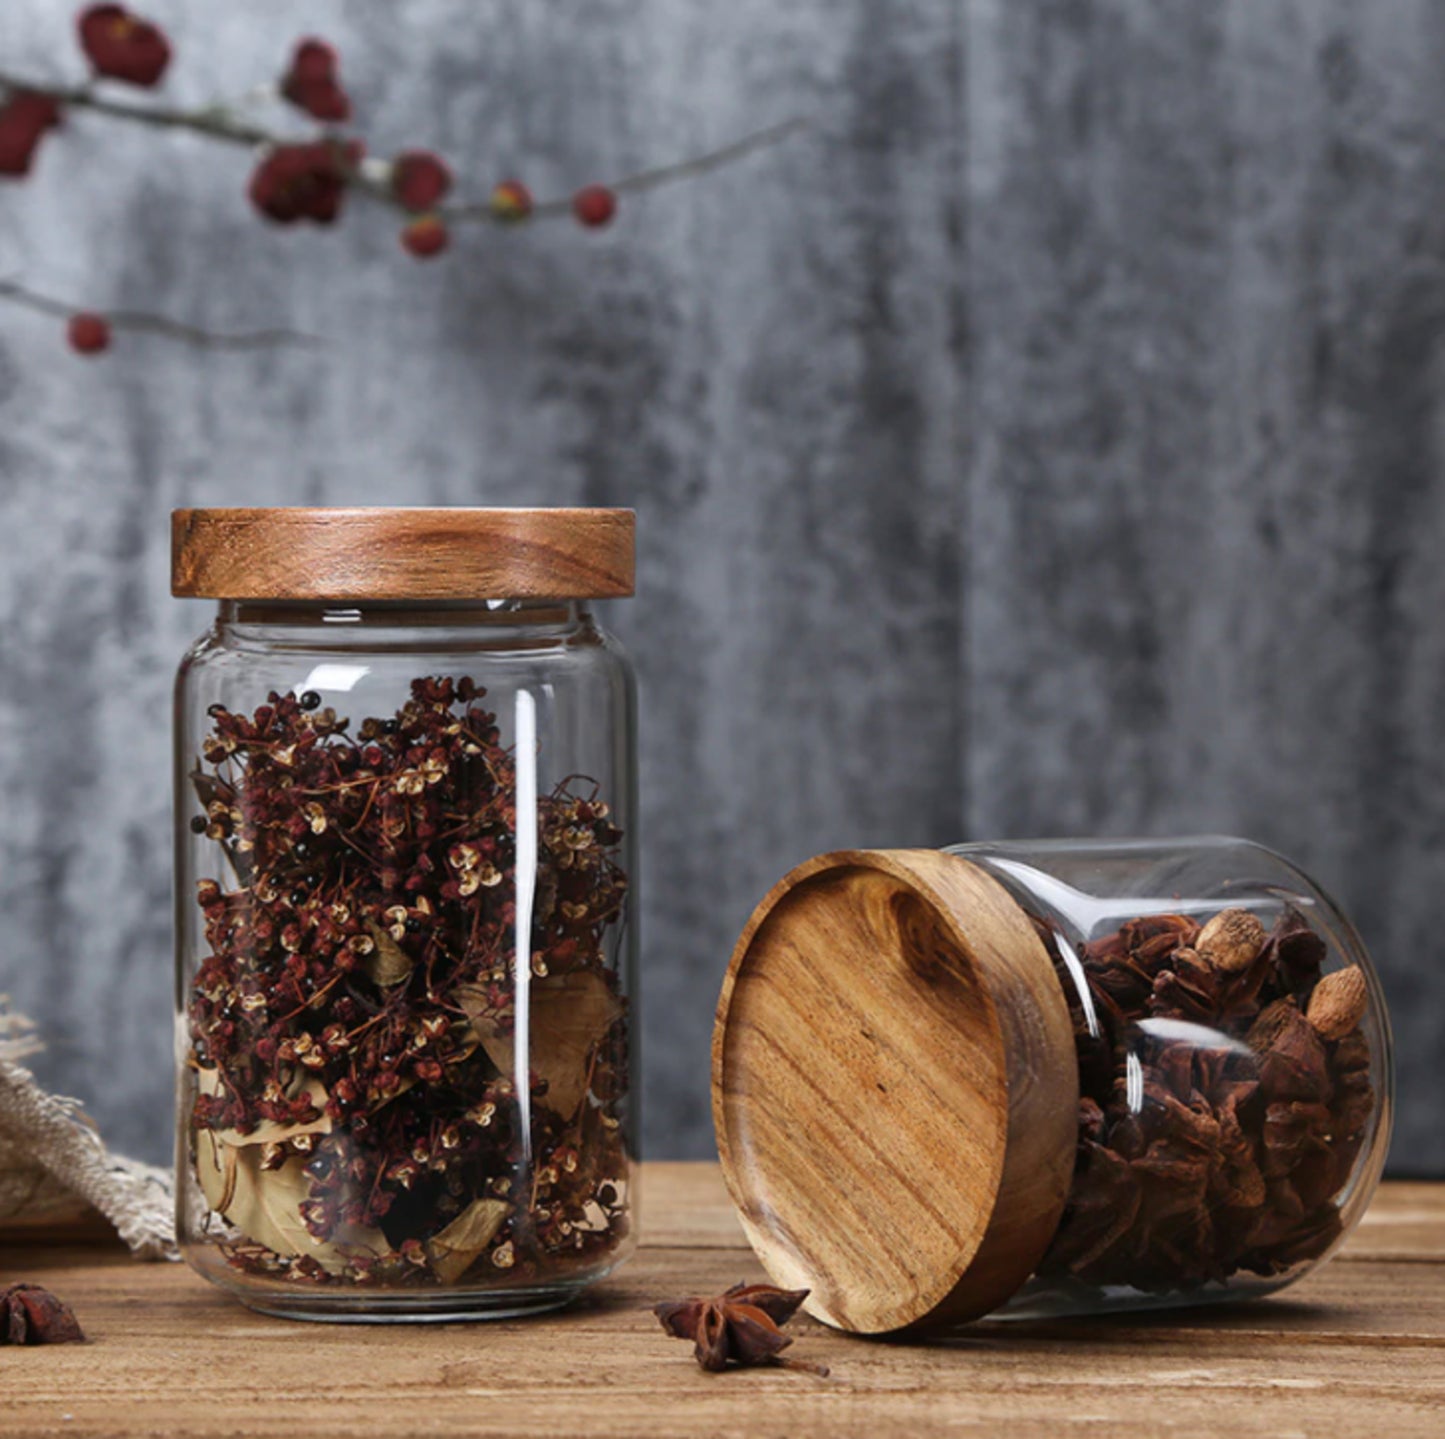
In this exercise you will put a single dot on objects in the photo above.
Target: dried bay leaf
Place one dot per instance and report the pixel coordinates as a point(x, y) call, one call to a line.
point(227, 1175)
point(569, 1016)
point(265, 1204)
point(215, 1170)
point(211, 789)
point(388, 964)
point(474, 1004)
point(278, 1197)
point(546, 901)
point(453, 1251)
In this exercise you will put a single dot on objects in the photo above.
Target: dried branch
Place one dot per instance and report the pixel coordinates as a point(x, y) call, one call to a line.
point(296, 178)
point(220, 122)
point(217, 121)
point(663, 175)
point(136, 320)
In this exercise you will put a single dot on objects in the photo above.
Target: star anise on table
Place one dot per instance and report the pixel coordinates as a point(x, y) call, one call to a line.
point(738, 1328)
point(32, 1315)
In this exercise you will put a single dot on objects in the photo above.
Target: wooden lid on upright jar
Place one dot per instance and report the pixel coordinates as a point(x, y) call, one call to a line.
point(402, 554)
point(895, 1089)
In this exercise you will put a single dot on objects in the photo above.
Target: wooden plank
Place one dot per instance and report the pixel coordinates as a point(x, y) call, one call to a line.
point(1404, 1221)
point(1357, 1350)
point(685, 1205)
point(141, 1374)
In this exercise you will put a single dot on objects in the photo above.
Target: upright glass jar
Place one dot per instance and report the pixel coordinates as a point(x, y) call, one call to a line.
point(405, 909)
point(1048, 1078)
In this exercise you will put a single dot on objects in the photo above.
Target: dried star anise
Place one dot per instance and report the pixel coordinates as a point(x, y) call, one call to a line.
point(30, 1314)
point(738, 1328)
point(1225, 1094)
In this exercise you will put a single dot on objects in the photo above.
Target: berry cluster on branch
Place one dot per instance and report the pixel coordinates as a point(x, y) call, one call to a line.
point(295, 180)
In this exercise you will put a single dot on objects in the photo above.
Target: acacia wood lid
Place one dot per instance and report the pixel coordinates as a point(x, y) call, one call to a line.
point(402, 554)
point(895, 1089)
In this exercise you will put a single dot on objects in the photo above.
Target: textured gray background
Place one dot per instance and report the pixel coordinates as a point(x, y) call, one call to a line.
point(1049, 441)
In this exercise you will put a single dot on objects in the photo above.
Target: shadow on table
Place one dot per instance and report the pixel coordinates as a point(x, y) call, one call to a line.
point(1244, 1316)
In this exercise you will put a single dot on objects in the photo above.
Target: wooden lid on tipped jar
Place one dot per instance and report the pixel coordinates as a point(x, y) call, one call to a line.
point(895, 1089)
point(402, 554)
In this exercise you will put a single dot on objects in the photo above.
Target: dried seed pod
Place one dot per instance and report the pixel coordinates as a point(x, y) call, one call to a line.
point(30, 1314)
point(1338, 1003)
point(739, 1327)
point(1232, 940)
point(1235, 1157)
point(1297, 952)
point(1292, 1061)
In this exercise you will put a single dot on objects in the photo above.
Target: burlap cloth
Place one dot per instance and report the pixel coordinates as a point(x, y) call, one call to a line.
point(54, 1167)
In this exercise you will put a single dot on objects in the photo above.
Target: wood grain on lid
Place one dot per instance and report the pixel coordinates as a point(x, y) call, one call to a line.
point(402, 554)
point(895, 1089)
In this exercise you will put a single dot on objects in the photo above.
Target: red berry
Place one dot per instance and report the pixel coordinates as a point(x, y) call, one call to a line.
point(89, 334)
point(313, 61)
point(420, 180)
point(511, 200)
point(123, 46)
point(328, 102)
point(425, 237)
point(312, 85)
point(594, 205)
point(24, 119)
point(304, 182)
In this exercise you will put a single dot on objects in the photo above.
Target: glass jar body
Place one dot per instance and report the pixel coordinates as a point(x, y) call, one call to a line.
point(406, 938)
point(1235, 1074)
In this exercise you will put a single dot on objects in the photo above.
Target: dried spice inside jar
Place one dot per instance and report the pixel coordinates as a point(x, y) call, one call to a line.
point(354, 1030)
point(1225, 1095)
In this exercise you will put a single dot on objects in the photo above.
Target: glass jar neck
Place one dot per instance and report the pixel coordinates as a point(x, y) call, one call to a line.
point(387, 614)
point(404, 625)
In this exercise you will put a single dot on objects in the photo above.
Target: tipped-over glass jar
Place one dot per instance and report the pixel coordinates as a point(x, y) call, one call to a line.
point(1048, 1078)
point(406, 841)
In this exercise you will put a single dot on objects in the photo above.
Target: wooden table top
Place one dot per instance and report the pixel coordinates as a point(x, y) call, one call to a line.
point(1358, 1348)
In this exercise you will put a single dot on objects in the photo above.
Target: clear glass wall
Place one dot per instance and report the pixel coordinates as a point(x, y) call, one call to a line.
point(406, 935)
point(1234, 1068)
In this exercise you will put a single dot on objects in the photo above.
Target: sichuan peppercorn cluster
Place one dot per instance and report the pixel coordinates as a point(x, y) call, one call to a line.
point(1225, 1097)
point(409, 1062)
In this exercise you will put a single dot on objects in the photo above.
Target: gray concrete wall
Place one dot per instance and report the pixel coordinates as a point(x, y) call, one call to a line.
point(1048, 441)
